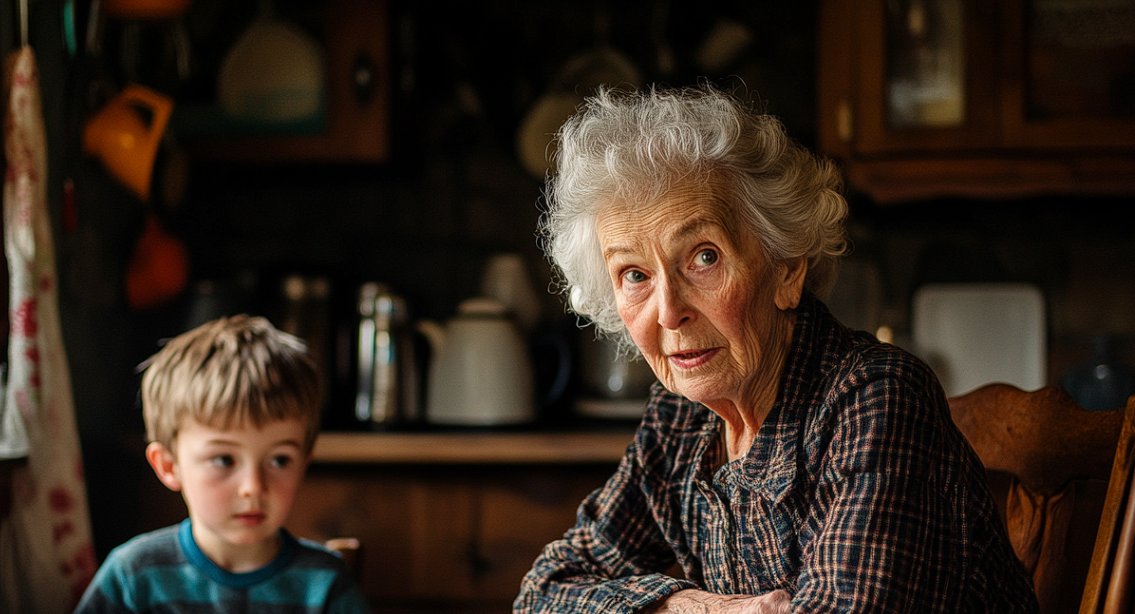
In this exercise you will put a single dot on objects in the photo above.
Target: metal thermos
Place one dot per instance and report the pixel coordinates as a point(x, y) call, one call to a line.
point(386, 391)
point(305, 313)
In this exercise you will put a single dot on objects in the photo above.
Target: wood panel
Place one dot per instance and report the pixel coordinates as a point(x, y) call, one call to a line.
point(473, 447)
point(443, 537)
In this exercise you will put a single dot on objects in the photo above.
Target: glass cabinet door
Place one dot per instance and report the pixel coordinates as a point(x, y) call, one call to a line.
point(926, 75)
point(925, 81)
point(1077, 65)
point(926, 98)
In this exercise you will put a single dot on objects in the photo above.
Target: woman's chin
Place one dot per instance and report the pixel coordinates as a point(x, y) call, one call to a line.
point(698, 390)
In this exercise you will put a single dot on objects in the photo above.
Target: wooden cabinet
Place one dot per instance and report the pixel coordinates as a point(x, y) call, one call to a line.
point(358, 98)
point(929, 98)
point(449, 522)
point(443, 538)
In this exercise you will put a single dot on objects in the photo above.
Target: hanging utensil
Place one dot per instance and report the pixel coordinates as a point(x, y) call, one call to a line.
point(579, 76)
point(23, 23)
point(273, 74)
point(158, 269)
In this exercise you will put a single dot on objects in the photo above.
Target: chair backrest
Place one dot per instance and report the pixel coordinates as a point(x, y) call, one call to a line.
point(348, 548)
point(1110, 587)
point(1058, 458)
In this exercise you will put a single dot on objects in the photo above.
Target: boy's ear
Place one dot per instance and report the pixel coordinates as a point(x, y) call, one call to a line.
point(164, 464)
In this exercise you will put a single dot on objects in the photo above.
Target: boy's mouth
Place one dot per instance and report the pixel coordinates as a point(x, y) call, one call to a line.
point(251, 518)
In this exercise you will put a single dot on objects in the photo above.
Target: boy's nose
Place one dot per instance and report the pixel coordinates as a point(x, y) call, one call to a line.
point(252, 483)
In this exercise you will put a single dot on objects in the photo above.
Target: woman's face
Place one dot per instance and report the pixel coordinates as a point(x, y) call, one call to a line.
point(708, 311)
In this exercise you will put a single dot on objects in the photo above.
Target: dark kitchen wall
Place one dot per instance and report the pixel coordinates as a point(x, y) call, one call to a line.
point(453, 193)
point(455, 190)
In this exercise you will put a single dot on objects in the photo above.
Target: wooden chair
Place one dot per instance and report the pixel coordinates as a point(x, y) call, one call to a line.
point(1110, 588)
point(348, 548)
point(1052, 460)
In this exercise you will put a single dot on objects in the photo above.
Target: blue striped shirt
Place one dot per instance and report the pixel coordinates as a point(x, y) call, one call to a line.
point(165, 571)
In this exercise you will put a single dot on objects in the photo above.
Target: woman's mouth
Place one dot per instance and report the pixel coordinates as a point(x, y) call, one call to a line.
point(691, 359)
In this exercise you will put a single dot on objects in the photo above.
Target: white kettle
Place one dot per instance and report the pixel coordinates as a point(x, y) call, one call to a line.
point(479, 374)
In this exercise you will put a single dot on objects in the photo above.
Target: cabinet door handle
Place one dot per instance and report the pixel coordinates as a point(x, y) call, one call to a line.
point(844, 121)
point(364, 76)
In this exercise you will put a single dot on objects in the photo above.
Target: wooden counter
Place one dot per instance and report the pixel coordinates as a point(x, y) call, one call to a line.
point(473, 447)
point(472, 508)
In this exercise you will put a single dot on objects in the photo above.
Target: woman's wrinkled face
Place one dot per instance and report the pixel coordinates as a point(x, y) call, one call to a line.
point(700, 299)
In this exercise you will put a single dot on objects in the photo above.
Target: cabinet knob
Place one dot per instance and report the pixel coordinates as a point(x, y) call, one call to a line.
point(844, 120)
point(364, 75)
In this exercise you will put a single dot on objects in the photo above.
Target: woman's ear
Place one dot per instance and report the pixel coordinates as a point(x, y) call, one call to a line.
point(790, 286)
point(164, 464)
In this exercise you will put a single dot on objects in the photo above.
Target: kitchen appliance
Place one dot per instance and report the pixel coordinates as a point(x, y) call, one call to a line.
point(975, 334)
point(616, 384)
point(306, 313)
point(506, 279)
point(479, 373)
point(386, 391)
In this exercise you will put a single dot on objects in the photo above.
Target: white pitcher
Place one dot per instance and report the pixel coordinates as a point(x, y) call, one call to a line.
point(479, 374)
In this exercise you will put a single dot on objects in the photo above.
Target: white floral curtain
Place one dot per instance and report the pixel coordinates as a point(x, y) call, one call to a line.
point(46, 553)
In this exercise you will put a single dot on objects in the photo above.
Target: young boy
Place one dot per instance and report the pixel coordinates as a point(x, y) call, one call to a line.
point(232, 412)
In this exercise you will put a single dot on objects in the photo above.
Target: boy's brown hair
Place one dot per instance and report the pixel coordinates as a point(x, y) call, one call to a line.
point(227, 372)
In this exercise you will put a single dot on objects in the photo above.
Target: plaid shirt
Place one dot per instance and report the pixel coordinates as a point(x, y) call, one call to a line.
point(858, 495)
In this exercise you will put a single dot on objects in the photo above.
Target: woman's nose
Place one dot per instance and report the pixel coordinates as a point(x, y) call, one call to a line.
point(673, 308)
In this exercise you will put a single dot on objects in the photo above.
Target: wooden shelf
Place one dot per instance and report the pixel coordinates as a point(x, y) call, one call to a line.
point(570, 447)
point(896, 181)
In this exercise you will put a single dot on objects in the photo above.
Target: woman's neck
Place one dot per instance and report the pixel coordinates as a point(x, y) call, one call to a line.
point(743, 417)
point(736, 440)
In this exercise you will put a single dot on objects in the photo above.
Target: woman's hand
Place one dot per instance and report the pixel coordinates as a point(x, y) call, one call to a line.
point(700, 602)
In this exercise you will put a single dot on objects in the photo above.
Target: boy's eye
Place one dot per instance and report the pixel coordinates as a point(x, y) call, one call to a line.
point(281, 461)
point(222, 460)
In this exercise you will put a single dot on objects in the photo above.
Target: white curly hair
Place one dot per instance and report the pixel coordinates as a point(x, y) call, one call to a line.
point(624, 145)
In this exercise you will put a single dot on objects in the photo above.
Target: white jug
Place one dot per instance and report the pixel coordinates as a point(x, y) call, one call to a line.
point(480, 374)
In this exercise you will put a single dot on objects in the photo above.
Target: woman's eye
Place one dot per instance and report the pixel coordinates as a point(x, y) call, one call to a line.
point(707, 257)
point(634, 277)
point(223, 461)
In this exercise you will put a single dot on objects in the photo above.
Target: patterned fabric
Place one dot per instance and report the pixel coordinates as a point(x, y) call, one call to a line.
point(165, 571)
point(858, 495)
point(46, 554)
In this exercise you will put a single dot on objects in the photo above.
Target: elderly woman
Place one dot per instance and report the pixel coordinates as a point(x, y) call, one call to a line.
point(785, 463)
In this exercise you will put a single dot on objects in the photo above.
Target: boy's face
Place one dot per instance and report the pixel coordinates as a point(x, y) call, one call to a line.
point(238, 484)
